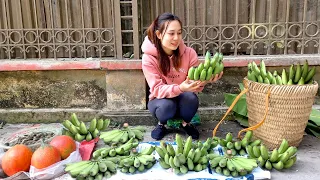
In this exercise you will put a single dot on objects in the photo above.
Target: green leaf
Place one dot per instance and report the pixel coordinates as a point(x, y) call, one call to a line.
point(243, 120)
point(240, 107)
point(315, 116)
point(241, 86)
point(312, 132)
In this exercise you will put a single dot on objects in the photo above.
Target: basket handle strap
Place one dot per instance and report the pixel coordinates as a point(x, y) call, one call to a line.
point(261, 122)
point(230, 108)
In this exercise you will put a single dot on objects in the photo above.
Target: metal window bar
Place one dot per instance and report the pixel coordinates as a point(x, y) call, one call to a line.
point(56, 29)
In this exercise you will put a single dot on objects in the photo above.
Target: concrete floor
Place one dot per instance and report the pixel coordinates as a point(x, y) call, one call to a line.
point(306, 167)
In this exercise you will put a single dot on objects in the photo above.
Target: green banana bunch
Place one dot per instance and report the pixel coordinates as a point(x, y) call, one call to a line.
point(205, 71)
point(137, 161)
point(282, 158)
point(121, 136)
point(296, 75)
point(115, 150)
point(79, 131)
point(186, 157)
point(91, 169)
point(230, 165)
point(237, 147)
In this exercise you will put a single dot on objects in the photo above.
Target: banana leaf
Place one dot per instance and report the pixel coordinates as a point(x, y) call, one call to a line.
point(243, 120)
point(241, 86)
point(313, 129)
point(240, 107)
point(315, 116)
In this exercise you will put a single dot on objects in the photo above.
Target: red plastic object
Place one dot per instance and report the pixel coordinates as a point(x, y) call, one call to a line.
point(86, 148)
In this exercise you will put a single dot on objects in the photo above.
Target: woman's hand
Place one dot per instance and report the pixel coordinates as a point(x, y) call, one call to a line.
point(216, 78)
point(196, 86)
point(212, 80)
point(191, 86)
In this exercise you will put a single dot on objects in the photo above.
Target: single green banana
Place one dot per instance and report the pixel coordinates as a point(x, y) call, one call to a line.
point(310, 75)
point(190, 164)
point(197, 155)
point(263, 69)
point(279, 80)
point(256, 142)
point(305, 69)
point(297, 74)
point(94, 170)
point(283, 146)
point(75, 165)
point(191, 73)
point(266, 80)
point(249, 150)
point(83, 128)
point(163, 164)
point(248, 135)
point(284, 77)
point(237, 145)
point(209, 73)
point(160, 151)
point(93, 125)
point(74, 120)
point(230, 165)
point(288, 164)
point(255, 68)
point(261, 161)
point(278, 166)
point(106, 123)
point(291, 72)
point(229, 137)
point(268, 165)
point(244, 142)
point(264, 152)
point(260, 79)
point(99, 125)
point(187, 146)
point(274, 156)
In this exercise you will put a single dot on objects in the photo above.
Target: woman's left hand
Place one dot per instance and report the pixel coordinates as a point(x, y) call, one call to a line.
point(215, 78)
point(212, 80)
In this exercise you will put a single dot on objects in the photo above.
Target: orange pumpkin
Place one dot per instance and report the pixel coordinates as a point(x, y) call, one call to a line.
point(45, 156)
point(17, 158)
point(65, 144)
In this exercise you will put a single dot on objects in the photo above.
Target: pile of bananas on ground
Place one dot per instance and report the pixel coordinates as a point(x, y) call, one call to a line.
point(121, 136)
point(184, 158)
point(282, 158)
point(297, 74)
point(138, 161)
point(92, 169)
point(79, 131)
point(115, 150)
point(205, 71)
point(231, 165)
point(237, 147)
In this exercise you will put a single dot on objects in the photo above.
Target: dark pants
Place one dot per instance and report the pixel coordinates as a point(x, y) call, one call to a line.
point(183, 106)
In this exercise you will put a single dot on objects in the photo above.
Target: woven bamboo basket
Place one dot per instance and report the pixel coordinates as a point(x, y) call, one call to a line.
point(288, 111)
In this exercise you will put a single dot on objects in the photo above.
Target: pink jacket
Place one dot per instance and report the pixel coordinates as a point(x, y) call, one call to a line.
point(166, 86)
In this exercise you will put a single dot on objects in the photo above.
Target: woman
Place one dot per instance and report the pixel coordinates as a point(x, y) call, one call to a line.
point(165, 64)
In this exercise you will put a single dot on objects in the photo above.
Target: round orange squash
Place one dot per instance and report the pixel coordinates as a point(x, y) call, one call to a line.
point(45, 156)
point(65, 144)
point(17, 158)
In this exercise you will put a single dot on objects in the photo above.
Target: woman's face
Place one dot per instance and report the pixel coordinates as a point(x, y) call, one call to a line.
point(171, 38)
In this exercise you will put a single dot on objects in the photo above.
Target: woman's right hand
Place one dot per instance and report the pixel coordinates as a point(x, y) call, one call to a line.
point(191, 86)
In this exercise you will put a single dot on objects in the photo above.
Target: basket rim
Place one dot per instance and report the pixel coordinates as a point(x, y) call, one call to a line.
point(315, 83)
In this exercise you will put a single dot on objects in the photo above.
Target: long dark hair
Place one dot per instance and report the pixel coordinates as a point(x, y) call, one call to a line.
point(161, 24)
